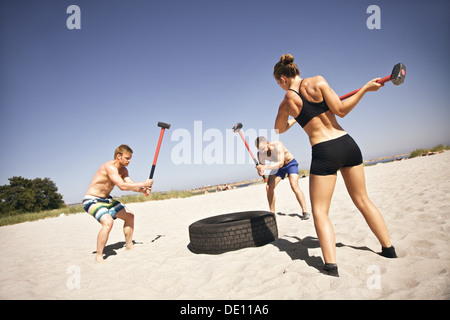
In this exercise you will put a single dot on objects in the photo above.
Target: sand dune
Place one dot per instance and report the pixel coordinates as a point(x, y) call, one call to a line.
point(53, 258)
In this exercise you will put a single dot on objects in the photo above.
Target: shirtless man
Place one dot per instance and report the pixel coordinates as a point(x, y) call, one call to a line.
point(283, 163)
point(103, 207)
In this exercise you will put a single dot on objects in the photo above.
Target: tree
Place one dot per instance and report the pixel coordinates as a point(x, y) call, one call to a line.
point(25, 195)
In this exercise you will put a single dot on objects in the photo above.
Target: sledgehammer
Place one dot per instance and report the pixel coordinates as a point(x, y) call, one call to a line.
point(397, 77)
point(237, 128)
point(163, 127)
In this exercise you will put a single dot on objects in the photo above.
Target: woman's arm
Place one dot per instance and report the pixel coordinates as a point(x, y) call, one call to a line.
point(282, 122)
point(342, 108)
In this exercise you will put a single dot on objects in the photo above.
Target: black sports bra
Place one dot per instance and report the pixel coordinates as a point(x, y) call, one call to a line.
point(309, 109)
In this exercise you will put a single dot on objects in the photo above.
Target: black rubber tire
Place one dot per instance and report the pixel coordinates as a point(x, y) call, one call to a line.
point(233, 231)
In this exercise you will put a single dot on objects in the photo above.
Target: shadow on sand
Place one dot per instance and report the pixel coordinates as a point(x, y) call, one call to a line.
point(111, 249)
point(298, 249)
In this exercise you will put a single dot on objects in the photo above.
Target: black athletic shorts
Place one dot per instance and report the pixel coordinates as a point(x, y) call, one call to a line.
point(329, 156)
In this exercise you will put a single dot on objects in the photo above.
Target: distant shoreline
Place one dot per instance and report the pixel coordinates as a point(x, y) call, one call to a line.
point(225, 186)
point(387, 158)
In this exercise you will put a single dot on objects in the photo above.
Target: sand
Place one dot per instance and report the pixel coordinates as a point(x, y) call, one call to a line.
point(54, 258)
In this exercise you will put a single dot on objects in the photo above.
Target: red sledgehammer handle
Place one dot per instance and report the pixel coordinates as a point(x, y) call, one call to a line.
point(381, 81)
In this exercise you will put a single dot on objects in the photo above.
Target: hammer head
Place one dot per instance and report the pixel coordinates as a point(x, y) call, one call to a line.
point(398, 74)
point(237, 127)
point(164, 125)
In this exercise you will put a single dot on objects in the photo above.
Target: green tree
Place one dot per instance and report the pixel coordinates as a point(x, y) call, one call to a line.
point(25, 195)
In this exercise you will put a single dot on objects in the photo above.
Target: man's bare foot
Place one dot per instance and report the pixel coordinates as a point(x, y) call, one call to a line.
point(99, 258)
point(129, 247)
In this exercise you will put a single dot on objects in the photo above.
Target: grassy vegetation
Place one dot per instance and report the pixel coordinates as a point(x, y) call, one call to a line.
point(155, 196)
point(14, 218)
point(420, 152)
point(8, 219)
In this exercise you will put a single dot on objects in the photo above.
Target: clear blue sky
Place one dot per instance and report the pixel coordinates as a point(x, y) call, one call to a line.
point(69, 97)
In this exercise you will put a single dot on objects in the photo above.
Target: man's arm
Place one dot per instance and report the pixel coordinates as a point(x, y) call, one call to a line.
point(144, 190)
point(124, 182)
point(262, 161)
point(279, 152)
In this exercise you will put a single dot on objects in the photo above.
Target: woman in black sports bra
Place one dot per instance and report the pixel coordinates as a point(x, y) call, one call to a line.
point(314, 105)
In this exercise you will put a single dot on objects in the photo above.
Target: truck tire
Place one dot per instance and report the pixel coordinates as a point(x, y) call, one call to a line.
point(233, 231)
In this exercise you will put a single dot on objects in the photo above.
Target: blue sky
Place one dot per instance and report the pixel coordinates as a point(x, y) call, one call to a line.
point(69, 97)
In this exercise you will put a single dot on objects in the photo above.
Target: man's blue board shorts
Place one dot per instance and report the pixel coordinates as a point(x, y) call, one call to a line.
point(97, 207)
point(290, 168)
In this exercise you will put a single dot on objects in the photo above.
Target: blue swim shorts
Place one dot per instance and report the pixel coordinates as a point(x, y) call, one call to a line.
point(97, 207)
point(290, 168)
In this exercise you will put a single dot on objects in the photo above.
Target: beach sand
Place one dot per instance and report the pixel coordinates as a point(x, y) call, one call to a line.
point(54, 258)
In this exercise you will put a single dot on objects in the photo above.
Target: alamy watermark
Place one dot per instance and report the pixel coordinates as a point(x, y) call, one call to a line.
point(74, 280)
point(374, 280)
point(374, 20)
point(74, 20)
point(214, 146)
